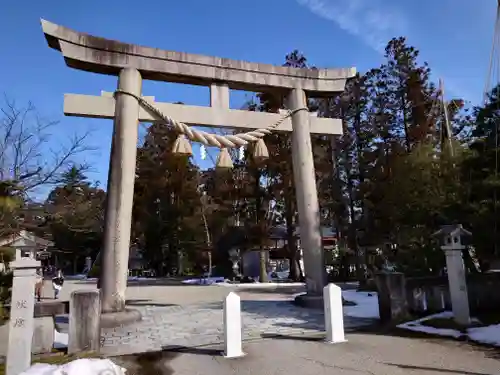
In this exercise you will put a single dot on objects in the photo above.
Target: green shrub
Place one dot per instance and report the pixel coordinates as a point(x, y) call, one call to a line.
point(5, 294)
point(94, 272)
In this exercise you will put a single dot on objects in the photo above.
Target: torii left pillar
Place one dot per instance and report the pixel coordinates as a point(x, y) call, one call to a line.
point(121, 178)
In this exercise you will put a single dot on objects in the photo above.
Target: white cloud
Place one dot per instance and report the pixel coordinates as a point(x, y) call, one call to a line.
point(370, 20)
point(375, 23)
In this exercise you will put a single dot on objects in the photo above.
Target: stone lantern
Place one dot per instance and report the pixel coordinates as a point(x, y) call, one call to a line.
point(453, 239)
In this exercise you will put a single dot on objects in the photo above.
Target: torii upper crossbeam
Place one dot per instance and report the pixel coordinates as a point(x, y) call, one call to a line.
point(132, 63)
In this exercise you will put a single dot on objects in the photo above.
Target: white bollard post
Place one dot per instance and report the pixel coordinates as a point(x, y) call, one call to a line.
point(232, 326)
point(334, 314)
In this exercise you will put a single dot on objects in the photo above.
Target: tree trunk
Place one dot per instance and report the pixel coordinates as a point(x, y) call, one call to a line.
point(259, 222)
point(263, 266)
point(352, 228)
point(180, 263)
point(353, 233)
point(294, 261)
point(75, 265)
point(293, 254)
point(301, 273)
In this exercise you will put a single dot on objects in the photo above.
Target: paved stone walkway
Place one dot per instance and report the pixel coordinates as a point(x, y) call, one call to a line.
point(362, 354)
point(192, 316)
point(201, 324)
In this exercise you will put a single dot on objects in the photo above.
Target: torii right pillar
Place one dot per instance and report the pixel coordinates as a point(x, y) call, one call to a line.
point(307, 200)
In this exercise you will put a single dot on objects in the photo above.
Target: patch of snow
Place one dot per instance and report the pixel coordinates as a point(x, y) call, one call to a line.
point(277, 321)
point(130, 278)
point(279, 275)
point(366, 304)
point(445, 332)
point(441, 315)
point(76, 277)
point(61, 340)
point(87, 366)
point(138, 278)
point(416, 326)
point(204, 281)
point(40, 369)
point(485, 335)
point(260, 285)
point(294, 296)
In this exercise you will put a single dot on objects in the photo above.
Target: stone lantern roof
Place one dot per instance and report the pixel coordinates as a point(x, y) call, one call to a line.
point(453, 237)
point(452, 230)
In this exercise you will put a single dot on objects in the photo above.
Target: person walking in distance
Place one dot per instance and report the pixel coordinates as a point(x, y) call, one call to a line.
point(39, 284)
point(57, 283)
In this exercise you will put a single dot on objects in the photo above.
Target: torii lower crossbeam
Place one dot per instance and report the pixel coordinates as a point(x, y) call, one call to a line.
point(104, 107)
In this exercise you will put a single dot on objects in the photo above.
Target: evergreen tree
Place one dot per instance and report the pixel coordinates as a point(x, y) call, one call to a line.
point(75, 217)
point(168, 224)
point(481, 179)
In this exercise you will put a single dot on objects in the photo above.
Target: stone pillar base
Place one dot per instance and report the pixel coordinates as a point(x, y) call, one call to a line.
point(120, 318)
point(310, 301)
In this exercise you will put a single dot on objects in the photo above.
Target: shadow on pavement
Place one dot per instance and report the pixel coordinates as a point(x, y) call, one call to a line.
point(146, 282)
point(447, 371)
point(147, 302)
point(378, 329)
point(149, 363)
point(279, 336)
point(158, 362)
point(192, 350)
point(287, 315)
point(272, 290)
point(285, 289)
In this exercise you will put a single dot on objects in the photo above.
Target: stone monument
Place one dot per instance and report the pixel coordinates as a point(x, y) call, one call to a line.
point(132, 64)
point(22, 322)
point(452, 237)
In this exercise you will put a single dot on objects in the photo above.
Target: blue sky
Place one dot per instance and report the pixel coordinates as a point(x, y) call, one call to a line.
point(454, 36)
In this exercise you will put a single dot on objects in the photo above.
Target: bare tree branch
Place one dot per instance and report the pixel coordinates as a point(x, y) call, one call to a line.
point(26, 155)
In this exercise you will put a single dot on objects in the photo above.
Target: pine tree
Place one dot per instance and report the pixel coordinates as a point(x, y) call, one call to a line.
point(168, 224)
point(75, 216)
point(481, 178)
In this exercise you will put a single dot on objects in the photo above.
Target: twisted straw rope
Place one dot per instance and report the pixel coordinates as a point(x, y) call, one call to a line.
point(208, 139)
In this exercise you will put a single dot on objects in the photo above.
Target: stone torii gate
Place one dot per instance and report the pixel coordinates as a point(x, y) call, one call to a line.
point(132, 64)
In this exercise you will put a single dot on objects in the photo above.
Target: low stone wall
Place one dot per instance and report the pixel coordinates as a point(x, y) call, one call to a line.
point(431, 294)
point(399, 295)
